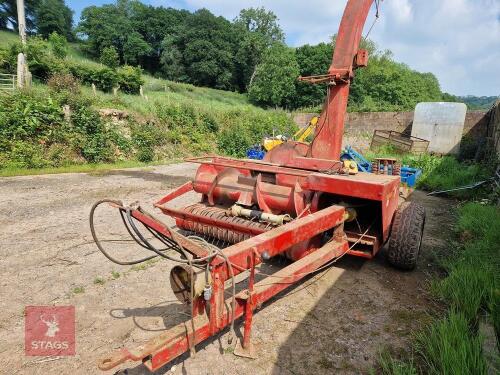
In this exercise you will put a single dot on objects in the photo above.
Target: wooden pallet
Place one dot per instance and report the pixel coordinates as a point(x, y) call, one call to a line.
point(399, 141)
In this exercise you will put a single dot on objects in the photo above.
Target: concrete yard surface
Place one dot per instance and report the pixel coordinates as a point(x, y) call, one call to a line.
point(336, 321)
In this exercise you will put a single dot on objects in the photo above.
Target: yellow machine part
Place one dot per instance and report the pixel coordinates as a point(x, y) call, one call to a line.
point(303, 133)
point(271, 142)
point(351, 166)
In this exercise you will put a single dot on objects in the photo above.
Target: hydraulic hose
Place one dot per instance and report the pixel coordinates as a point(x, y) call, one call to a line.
point(98, 243)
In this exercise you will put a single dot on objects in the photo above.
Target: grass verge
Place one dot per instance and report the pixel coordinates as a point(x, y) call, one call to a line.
point(471, 287)
point(442, 172)
point(449, 346)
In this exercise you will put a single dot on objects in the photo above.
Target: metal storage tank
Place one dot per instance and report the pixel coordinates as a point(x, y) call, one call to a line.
point(440, 123)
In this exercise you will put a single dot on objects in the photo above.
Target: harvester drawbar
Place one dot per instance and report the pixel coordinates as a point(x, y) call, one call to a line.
point(300, 202)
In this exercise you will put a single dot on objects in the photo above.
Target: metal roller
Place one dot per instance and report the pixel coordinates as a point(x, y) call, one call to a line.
point(226, 235)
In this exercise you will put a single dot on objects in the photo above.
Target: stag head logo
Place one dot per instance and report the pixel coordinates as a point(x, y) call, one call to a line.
point(52, 325)
point(49, 330)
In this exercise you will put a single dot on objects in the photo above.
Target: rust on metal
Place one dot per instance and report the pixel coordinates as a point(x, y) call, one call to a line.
point(307, 183)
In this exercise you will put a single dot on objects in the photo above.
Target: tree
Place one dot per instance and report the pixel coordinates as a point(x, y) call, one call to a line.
point(135, 48)
point(105, 26)
point(59, 45)
point(171, 60)
point(54, 16)
point(449, 97)
point(110, 57)
point(154, 24)
point(312, 60)
point(274, 82)
point(258, 30)
point(8, 14)
point(386, 85)
point(134, 29)
point(261, 21)
point(207, 44)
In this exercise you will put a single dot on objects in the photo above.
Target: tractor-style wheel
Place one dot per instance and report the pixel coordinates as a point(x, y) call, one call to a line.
point(406, 236)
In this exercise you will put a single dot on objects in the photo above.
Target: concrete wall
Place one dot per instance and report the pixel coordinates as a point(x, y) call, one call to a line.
point(359, 126)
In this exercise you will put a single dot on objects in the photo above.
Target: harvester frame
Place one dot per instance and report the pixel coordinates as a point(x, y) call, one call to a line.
point(300, 201)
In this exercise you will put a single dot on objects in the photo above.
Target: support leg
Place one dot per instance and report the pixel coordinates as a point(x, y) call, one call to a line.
point(246, 348)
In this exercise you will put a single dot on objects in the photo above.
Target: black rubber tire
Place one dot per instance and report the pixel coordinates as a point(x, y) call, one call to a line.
point(406, 236)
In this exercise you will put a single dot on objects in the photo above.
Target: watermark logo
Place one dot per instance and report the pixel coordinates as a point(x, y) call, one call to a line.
point(49, 330)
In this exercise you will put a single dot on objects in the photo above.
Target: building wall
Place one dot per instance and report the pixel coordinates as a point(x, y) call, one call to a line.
point(359, 126)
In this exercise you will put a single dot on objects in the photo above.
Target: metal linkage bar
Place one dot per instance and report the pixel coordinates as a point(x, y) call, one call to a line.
point(174, 342)
point(250, 165)
point(276, 241)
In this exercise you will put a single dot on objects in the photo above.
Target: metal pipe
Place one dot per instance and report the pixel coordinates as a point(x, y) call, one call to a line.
point(236, 210)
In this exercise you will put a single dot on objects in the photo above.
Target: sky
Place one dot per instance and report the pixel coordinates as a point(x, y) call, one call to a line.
point(457, 40)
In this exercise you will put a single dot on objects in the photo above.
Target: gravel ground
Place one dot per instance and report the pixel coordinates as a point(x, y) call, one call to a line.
point(336, 321)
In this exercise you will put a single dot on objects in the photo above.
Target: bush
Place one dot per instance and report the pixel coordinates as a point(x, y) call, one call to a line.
point(442, 172)
point(84, 72)
point(43, 64)
point(105, 78)
point(27, 155)
point(235, 140)
point(35, 133)
point(6, 65)
point(26, 117)
point(64, 82)
point(92, 138)
point(145, 138)
point(130, 79)
point(109, 57)
point(59, 45)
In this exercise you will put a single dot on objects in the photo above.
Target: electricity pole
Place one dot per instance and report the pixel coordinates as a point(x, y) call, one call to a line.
point(21, 21)
point(23, 74)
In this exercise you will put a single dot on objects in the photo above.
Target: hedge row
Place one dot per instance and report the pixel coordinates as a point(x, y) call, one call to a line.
point(35, 132)
point(43, 63)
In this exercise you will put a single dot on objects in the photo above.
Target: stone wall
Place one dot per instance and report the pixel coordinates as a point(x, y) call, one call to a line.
point(493, 133)
point(359, 126)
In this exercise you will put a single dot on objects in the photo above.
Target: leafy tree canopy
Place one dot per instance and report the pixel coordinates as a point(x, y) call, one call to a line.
point(262, 22)
point(8, 14)
point(275, 76)
point(248, 54)
point(258, 29)
point(54, 16)
point(134, 29)
point(384, 85)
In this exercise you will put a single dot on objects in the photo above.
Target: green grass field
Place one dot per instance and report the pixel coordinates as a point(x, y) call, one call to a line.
point(7, 37)
point(154, 88)
point(168, 92)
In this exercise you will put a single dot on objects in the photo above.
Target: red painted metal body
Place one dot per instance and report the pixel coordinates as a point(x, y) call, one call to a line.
point(305, 182)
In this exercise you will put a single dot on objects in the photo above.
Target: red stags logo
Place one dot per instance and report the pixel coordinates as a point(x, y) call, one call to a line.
point(49, 330)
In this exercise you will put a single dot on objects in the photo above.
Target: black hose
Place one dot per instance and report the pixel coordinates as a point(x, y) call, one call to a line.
point(98, 243)
point(171, 244)
point(154, 249)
